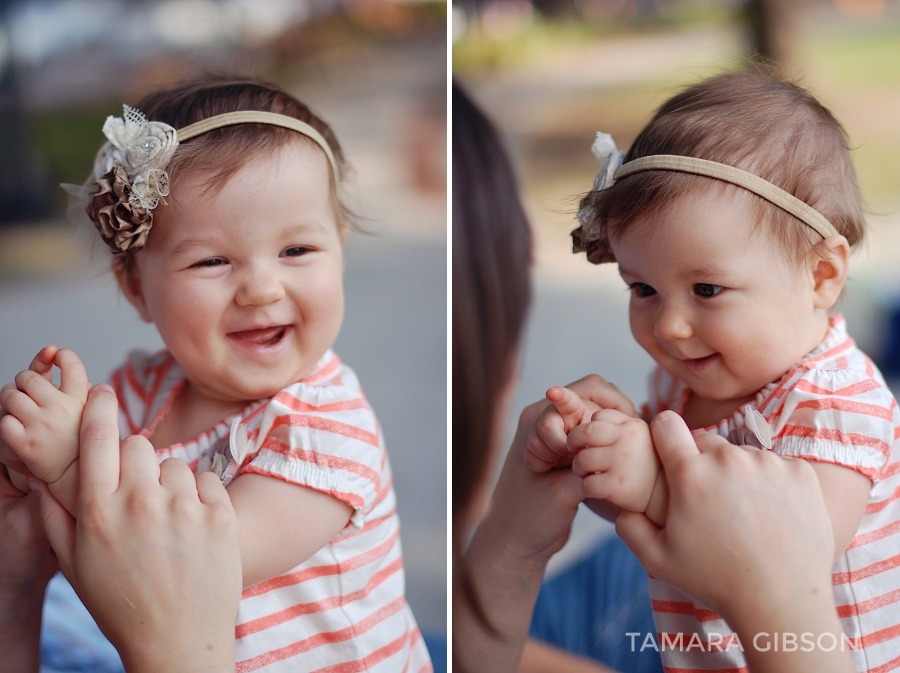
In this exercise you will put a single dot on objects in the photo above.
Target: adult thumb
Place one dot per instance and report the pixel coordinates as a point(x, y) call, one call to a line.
point(672, 439)
point(642, 537)
point(59, 526)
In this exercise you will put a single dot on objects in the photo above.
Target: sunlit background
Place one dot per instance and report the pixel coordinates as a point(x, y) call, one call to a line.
point(375, 70)
point(552, 73)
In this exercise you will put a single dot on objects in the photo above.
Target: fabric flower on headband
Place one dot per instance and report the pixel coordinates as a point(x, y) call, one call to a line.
point(130, 173)
point(610, 159)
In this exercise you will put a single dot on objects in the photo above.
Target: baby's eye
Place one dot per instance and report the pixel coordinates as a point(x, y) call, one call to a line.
point(296, 251)
point(707, 289)
point(215, 261)
point(642, 289)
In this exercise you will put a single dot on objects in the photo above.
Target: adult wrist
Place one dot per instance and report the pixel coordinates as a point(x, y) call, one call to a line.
point(20, 628)
point(217, 657)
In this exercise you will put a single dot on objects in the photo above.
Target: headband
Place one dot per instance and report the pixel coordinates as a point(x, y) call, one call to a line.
point(612, 169)
point(130, 168)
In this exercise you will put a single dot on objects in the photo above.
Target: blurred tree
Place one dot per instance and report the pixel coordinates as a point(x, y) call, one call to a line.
point(556, 8)
point(21, 185)
point(771, 30)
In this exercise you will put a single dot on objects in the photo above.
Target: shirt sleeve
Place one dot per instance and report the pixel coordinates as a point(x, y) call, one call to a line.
point(837, 416)
point(323, 437)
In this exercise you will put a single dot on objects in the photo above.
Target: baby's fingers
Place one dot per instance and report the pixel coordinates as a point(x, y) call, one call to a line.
point(595, 433)
point(73, 379)
point(548, 436)
point(593, 460)
point(539, 464)
point(12, 435)
point(539, 456)
point(36, 386)
point(17, 403)
point(43, 362)
point(567, 403)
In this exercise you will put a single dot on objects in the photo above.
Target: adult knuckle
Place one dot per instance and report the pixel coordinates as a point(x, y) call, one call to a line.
point(143, 503)
point(132, 442)
point(221, 517)
point(98, 432)
point(94, 515)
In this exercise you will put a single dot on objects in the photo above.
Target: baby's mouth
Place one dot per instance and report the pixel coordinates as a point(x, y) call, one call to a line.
point(697, 364)
point(267, 336)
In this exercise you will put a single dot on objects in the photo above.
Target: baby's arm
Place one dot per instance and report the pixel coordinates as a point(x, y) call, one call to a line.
point(280, 524)
point(618, 463)
point(41, 427)
point(846, 494)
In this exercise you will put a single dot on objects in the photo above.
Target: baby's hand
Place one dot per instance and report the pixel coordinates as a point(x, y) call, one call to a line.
point(617, 461)
point(40, 429)
point(547, 445)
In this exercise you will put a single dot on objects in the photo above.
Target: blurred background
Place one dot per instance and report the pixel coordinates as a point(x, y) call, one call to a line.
point(552, 73)
point(376, 71)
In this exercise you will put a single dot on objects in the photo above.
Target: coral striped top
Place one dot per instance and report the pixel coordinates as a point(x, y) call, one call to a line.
point(835, 407)
point(343, 610)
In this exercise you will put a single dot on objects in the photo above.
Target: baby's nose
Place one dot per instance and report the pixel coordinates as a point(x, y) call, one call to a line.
point(259, 287)
point(672, 323)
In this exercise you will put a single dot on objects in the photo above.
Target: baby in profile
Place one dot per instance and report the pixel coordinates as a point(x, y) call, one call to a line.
point(731, 218)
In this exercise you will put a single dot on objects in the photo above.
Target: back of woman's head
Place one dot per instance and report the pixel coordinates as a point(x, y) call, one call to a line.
point(491, 290)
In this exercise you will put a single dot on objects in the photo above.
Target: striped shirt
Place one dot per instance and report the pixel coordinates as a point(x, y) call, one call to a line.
point(342, 610)
point(832, 406)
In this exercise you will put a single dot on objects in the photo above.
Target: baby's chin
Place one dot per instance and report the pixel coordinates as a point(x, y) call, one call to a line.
point(260, 390)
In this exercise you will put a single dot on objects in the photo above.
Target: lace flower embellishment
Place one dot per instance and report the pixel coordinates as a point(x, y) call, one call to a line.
point(130, 173)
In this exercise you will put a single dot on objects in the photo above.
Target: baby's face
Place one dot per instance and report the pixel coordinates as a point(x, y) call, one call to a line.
point(245, 285)
point(716, 305)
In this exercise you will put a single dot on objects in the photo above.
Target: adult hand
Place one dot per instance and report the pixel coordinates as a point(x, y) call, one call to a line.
point(26, 565)
point(747, 533)
point(153, 554)
point(528, 520)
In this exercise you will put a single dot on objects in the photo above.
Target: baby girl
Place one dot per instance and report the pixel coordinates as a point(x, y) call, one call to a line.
point(731, 218)
point(226, 230)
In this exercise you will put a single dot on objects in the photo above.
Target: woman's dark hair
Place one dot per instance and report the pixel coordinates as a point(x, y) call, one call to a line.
point(491, 293)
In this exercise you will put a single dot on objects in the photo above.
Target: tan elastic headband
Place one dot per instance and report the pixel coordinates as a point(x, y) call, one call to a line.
point(712, 169)
point(258, 117)
point(130, 169)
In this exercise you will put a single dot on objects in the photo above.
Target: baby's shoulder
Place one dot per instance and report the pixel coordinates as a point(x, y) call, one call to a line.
point(143, 370)
point(839, 411)
point(852, 377)
point(332, 388)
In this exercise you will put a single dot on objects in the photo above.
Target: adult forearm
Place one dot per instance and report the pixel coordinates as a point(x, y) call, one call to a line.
point(506, 590)
point(20, 632)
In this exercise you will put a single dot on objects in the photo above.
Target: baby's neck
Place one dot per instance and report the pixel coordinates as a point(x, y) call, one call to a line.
point(700, 412)
point(192, 413)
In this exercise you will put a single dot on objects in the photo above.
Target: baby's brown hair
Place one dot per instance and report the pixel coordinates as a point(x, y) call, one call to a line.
point(222, 152)
point(753, 121)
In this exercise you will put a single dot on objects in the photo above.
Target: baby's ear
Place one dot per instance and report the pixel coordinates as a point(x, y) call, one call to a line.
point(130, 283)
point(829, 263)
